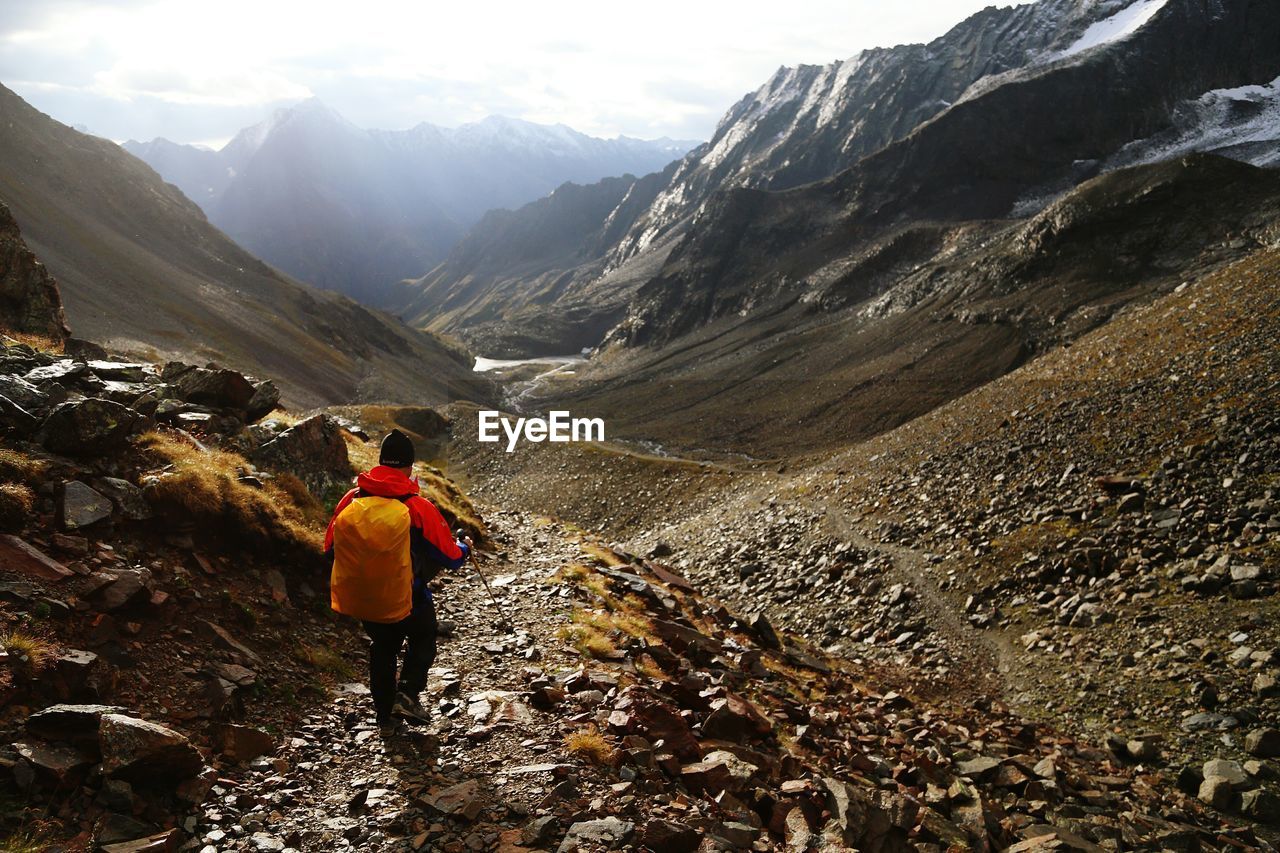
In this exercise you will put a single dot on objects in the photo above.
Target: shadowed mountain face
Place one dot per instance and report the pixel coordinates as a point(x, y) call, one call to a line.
point(142, 270)
point(356, 210)
point(818, 167)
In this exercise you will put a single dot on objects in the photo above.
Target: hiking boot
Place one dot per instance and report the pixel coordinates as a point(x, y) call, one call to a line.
point(410, 708)
point(392, 728)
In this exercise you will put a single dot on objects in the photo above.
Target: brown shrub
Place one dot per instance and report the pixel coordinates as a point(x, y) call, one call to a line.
point(204, 487)
point(16, 504)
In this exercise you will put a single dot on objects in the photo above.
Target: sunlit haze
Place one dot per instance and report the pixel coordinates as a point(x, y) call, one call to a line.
point(199, 72)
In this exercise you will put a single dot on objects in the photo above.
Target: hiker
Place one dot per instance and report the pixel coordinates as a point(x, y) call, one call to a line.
point(387, 542)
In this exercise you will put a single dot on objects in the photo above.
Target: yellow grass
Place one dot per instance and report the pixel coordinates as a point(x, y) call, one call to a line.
point(325, 660)
point(42, 343)
point(17, 467)
point(28, 654)
point(16, 504)
point(202, 487)
point(589, 745)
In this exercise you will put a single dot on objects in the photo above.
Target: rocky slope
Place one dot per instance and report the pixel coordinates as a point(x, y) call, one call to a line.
point(356, 210)
point(142, 270)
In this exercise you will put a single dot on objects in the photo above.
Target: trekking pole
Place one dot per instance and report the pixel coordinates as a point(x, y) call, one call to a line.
point(506, 624)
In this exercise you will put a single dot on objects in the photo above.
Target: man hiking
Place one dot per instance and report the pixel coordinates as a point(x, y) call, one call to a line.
point(387, 542)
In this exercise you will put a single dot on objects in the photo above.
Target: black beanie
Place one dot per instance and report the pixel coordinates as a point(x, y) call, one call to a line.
point(397, 450)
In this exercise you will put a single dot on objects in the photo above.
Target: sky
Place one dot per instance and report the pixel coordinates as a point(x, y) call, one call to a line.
point(198, 72)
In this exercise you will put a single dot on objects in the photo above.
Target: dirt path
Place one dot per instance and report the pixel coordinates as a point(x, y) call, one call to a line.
point(338, 786)
point(988, 655)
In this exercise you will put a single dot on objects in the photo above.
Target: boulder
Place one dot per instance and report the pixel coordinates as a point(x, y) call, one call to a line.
point(22, 392)
point(640, 712)
point(313, 450)
point(89, 427)
point(763, 630)
point(17, 419)
point(17, 556)
point(79, 505)
point(76, 724)
point(55, 763)
point(120, 371)
point(667, 835)
point(166, 841)
point(142, 752)
point(127, 497)
point(216, 386)
point(266, 396)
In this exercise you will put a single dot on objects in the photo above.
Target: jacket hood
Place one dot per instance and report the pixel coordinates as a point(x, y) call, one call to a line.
point(387, 482)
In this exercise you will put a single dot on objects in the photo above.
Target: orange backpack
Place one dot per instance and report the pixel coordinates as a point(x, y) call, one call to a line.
point(372, 567)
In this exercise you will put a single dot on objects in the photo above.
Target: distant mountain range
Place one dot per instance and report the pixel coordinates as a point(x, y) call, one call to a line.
point(142, 271)
point(357, 210)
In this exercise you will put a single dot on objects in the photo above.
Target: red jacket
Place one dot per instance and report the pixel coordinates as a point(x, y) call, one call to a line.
point(429, 536)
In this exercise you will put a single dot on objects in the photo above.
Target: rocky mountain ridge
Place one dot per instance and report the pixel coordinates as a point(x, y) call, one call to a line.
point(357, 210)
point(833, 161)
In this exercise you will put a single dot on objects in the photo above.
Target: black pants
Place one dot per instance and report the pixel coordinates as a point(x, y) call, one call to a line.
point(386, 640)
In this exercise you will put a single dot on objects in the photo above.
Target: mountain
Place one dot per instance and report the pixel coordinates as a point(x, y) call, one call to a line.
point(356, 210)
point(993, 120)
point(142, 270)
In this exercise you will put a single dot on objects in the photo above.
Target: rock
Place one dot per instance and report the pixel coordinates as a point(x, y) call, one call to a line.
point(538, 832)
point(166, 841)
point(54, 763)
point(608, 833)
point(719, 771)
point(120, 827)
point(129, 587)
point(127, 497)
point(276, 583)
point(90, 427)
point(1143, 749)
point(29, 297)
point(217, 387)
point(142, 752)
point(734, 718)
point(1264, 743)
point(1132, 502)
point(77, 546)
point(1260, 804)
point(668, 835)
point(1221, 768)
point(314, 451)
point(641, 712)
point(120, 371)
point(763, 630)
point(17, 419)
point(17, 556)
point(1216, 791)
point(223, 639)
point(979, 769)
point(242, 743)
point(1266, 685)
point(265, 842)
point(80, 506)
point(22, 393)
point(461, 801)
point(266, 396)
point(72, 723)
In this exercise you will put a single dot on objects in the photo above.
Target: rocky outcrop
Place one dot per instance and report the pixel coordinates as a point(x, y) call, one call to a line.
point(29, 298)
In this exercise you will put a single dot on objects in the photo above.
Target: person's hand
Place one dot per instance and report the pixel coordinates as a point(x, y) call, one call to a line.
point(471, 546)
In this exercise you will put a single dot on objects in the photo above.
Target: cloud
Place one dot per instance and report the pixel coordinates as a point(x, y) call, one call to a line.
point(668, 67)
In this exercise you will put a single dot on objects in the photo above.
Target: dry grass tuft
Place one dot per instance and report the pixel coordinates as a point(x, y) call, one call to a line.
point(203, 487)
point(16, 505)
point(23, 842)
point(455, 506)
point(28, 654)
point(325, 660)
point(589, 634)
point(601, 553)
point(40, 343)
point(17, 467)
point(589, 745)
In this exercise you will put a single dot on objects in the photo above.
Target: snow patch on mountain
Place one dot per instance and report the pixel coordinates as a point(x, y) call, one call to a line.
point(1242, 123)
point(1117, 27)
